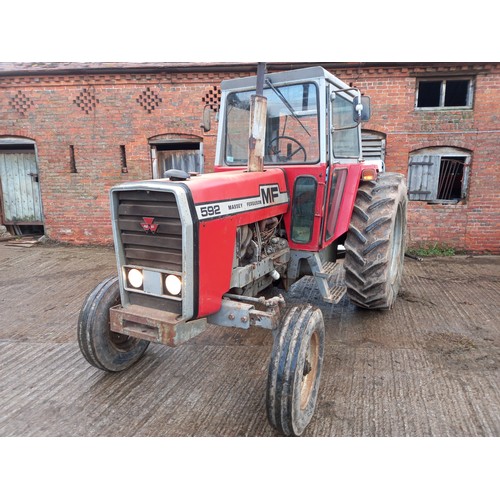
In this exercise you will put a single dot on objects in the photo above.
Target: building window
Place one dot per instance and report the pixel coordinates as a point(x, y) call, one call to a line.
point(451, 93)
point(438, 175)
point(170, 153)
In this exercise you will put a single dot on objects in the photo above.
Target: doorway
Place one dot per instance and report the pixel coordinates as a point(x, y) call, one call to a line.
point(20, 199)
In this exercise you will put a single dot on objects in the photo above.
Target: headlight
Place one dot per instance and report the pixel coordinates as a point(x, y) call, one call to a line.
point(135, 278)
point(173, 284)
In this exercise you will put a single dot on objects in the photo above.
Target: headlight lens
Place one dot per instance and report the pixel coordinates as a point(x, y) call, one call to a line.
point(135, 278)
point(173, 284)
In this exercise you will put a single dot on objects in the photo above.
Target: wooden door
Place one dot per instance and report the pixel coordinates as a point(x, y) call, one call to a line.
point(20, 189)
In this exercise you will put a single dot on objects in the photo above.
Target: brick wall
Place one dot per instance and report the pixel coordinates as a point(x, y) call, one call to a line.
point(98, 113)
point(472, 225)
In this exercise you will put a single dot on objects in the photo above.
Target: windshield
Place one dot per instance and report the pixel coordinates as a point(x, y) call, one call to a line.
point(291, 128)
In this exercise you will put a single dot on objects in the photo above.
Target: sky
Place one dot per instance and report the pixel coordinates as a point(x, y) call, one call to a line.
point(223, 31)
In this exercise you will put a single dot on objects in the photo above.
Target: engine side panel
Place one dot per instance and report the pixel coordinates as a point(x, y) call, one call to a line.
point(223, 202)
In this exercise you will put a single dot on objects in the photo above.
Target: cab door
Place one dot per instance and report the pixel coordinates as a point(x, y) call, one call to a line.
point(343, 168)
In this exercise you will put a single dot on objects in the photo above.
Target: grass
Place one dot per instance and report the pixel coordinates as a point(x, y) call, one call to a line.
point(435, 250)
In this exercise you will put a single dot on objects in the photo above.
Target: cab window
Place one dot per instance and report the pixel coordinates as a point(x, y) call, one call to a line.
point(304, 200)
point(345, 130)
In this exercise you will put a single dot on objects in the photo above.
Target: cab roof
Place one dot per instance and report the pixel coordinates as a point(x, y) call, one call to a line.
point(296, 75)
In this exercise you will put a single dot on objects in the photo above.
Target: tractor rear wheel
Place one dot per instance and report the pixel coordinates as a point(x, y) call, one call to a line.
point(101, 347)
point(375, 243)
point(295, 370)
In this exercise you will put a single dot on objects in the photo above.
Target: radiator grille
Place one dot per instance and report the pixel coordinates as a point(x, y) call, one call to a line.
point(161, 250)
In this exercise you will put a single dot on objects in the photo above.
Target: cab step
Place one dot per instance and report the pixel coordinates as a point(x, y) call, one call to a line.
point(329, 279)
point(327, 269)
point(335, 294)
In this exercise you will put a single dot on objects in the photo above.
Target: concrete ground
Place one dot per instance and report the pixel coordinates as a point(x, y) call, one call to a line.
point(429, 367)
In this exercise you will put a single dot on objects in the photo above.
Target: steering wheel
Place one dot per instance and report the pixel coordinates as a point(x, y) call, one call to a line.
point(284, 141)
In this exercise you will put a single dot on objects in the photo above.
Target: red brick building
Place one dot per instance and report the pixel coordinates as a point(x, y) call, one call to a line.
point(68, 132)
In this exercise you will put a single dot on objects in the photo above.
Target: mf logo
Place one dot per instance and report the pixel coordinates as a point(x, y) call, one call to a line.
point(268, 194)
point(148, 225)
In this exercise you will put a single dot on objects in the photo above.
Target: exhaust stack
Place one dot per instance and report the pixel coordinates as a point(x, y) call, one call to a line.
point(258, 114)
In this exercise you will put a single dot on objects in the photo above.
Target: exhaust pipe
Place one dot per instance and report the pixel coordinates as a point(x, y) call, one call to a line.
point(258, 115)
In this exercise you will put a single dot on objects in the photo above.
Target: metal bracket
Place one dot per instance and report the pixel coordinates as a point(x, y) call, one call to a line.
point(242, 313)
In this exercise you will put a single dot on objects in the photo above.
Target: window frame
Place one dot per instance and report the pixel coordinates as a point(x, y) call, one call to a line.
point(434, 156)
point(334, 131)
point(267, 90)
point(442, 93)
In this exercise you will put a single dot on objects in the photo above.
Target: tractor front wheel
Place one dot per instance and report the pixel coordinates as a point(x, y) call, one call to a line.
point(295, 370)
point(101, 347)
point(375, 243)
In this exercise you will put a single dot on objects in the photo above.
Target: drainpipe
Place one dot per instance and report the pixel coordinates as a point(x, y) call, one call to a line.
point(258, 114)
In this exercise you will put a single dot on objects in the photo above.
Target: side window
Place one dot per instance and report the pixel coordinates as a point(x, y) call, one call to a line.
point(345, 129)
point(339, 177)
point(440, 176)
point(444, 93)
point(304, 200)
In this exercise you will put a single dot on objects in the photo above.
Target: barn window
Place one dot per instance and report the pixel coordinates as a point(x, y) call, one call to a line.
point(179, 153)
point(449, 93)
point(438, 175)
point(123, 159)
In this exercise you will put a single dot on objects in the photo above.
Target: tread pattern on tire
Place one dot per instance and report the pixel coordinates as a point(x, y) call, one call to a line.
point(85, 319)
point(369, 242)
point(285, 360)
point(93, 330)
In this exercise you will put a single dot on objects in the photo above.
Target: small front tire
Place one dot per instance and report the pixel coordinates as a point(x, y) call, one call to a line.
point(101, 347)
point(295, 370)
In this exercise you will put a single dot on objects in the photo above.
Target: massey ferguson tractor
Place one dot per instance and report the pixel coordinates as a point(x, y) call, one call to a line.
point(289, 188)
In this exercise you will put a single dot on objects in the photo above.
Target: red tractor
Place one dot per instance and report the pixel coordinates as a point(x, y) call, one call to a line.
point(194, 250)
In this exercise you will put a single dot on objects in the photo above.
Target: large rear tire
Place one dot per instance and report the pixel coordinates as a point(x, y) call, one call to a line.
point(295, 370)
point(101, 347)
point(375, 243)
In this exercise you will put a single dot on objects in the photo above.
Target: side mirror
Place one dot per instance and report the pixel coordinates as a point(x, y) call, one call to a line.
point(205, 120)
point(364, 107)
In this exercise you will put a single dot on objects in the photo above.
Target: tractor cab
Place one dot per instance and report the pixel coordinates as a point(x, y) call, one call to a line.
point(313, 118)
point(312, 132)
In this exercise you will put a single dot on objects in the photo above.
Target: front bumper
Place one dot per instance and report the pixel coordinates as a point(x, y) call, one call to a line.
point(154, 325)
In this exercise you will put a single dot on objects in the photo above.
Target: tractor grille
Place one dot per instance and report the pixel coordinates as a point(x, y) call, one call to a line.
point(160, 249)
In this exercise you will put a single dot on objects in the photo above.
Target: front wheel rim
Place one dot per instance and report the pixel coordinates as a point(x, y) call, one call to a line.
point(310, 370)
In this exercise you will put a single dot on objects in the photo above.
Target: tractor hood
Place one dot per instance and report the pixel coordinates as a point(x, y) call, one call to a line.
point(223, 194)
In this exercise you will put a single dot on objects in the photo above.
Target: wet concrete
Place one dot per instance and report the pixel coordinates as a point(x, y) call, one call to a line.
point(429, 367)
